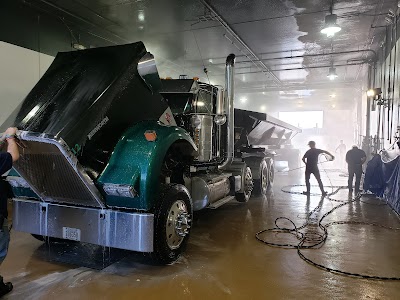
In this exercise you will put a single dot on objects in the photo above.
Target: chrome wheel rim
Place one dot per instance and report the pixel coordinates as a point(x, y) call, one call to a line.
point(248, 183)
point(271, 174)
point(178, 224)
point(264, 179)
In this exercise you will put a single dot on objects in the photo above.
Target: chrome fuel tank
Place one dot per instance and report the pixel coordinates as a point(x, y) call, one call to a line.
point(202, 136)
point(208, 189)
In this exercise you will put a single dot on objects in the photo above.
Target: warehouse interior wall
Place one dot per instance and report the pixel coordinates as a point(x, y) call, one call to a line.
point(20, 70)
point(384, 74)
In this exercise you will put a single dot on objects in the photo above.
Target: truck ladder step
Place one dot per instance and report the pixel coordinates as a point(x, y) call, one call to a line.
point(221, 202)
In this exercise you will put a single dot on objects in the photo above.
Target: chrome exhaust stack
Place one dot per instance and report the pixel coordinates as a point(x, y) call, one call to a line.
point(229, 93)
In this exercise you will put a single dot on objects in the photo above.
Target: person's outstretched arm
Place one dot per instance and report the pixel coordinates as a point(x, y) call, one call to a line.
point(12, 146)
point(328, 153)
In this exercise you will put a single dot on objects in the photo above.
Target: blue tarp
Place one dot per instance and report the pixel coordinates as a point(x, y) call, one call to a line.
point(382, 179)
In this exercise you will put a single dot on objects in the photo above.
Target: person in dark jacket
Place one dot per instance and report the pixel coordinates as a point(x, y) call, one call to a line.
point(310, 158)
point(6, 160)
point(355, 158)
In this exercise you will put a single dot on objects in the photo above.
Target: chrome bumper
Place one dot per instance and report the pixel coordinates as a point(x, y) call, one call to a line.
point(105, 227)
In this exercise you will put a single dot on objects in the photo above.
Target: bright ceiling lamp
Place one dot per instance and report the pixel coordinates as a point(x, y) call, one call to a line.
point(332, 73)
point(330, 28)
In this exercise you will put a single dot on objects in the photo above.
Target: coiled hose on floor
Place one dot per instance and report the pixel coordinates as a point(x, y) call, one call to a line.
point(314, 238)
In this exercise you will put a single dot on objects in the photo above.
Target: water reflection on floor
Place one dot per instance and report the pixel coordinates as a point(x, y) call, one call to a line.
point(225, 261)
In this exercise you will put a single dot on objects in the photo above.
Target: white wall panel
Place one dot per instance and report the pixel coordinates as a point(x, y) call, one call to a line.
point(20, 70)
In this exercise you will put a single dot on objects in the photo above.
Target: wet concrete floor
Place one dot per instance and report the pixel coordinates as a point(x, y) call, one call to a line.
point(225, 261)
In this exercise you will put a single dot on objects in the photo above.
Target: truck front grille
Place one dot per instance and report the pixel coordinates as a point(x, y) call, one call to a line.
point(54, 177)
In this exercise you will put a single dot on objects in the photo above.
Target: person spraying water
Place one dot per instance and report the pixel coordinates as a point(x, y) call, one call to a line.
point(310, 158)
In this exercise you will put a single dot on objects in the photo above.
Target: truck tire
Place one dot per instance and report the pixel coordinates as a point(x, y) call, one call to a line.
point(261, 185)
point(172, 221)
point(271, 173)
point(248, 186)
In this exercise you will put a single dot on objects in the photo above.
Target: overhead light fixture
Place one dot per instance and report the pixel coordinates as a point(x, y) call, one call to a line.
point(141, 15)
point(210, 61)
point(332, 73)
point(330, 28)
point(263, 108)
point(374, 92)
point(264, 93)
point(333, 105)
point(370, 93)
point(333, 95)
point(243, 100)
point(78, 46)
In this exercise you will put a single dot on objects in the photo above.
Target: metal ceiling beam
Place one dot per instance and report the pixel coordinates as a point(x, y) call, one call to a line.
point(83, 20)
point(253, 57)
point(299, 87)
point(320, 54)
point(301, 56)
point(296, 69)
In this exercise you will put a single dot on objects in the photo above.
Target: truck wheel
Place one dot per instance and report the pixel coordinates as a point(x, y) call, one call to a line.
point(173, 216)
point(271, 173)
point(248, 186)
point(261, 185)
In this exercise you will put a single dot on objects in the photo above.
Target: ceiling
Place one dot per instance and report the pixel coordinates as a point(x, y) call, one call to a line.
point(281, 54)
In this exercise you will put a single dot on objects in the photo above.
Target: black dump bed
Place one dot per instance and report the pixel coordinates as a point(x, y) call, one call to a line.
point(90, 97)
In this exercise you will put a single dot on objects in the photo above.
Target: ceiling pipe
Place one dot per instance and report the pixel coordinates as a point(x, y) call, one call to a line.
point(307, 55)
point(300, 87)
point(301, 68)
point(241, 42)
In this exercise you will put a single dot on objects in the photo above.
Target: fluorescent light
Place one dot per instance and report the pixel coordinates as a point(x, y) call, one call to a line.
point(78, 46)
point(243, 100)
point(330, 28)
point(141, 15)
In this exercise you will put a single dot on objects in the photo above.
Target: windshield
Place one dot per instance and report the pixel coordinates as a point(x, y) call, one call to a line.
point(179, 103)
point(204, 103)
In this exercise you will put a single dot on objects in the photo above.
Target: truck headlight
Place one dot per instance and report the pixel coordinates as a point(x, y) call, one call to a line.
point(119, 190)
